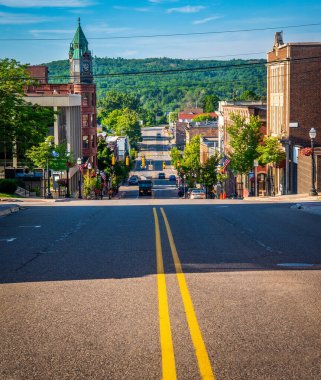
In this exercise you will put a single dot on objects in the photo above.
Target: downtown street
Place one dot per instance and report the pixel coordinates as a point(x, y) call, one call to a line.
point(160, 287)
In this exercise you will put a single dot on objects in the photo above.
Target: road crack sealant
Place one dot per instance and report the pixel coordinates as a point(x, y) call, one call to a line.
point(52, 248)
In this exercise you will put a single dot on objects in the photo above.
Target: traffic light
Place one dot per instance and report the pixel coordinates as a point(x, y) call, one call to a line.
point(143, 162)
point(178, 164)
point(113, 160)
point(164, 165)
point(127, 161)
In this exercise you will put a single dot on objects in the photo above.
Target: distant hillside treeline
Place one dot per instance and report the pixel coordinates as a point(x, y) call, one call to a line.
point(165, 92)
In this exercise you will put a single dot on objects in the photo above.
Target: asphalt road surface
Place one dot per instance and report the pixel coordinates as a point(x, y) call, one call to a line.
point(160, 288)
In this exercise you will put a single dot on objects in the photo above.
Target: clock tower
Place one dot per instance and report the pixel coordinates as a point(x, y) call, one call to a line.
point(80, 58)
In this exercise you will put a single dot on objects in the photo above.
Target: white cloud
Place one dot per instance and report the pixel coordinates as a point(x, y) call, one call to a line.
point(205, 20)
point(186, 9)
point(105, 28)
point(17, 19)
point(39, 32)
point(45, 3)
point(142, 9)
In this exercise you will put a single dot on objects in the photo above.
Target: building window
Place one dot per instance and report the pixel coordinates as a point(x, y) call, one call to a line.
point(93, 142)
point(85, 99)
point(85, 119)
point(85, 142)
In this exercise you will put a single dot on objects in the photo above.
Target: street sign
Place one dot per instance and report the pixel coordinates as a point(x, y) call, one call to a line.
point(256, 163)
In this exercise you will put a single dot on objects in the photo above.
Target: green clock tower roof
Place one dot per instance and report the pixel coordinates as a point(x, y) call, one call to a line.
point(79, 44)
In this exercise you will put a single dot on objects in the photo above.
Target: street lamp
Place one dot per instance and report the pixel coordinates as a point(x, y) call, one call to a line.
point(49, 195)
point(312, 134)
point(79, 162)
point(68, 164)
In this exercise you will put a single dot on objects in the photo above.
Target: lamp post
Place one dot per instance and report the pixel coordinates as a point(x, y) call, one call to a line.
point(49, 195)
point(67, 170)
point(312, 134)
point(79, 162)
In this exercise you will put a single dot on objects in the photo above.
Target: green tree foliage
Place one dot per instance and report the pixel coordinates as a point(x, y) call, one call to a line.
point(176, 156)
point(190, 163)
point(204, 117)
point(163, 93)
point(248, 95)
point(125, 122)
point(47, 152)
point(271, 151)
point(172, 117)
point(209, 171)
point(115, 100)
point(191, 158)
point(244, 141)
point(210, 103)
point(22, 124)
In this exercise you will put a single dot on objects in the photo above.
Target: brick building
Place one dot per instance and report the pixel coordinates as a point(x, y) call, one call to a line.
point(305, 172)
point(205, 129)
point(293, 99)
point(81, 82)
point(208, 148)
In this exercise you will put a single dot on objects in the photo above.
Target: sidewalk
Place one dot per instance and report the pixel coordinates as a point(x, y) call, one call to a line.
point(286, 198)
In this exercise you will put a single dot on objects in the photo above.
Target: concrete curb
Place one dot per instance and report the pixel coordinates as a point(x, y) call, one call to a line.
point(8, 209)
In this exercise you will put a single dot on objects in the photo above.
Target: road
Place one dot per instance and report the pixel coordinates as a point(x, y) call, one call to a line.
point(160, 288)
point(156, 149)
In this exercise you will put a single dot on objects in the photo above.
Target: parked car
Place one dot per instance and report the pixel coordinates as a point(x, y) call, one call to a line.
point(133, 180)
point(161, 175)
point(197, 194)
point(172, 177)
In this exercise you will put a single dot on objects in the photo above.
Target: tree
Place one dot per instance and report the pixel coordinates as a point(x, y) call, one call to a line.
point(55, 156)
point(176, 157)
point(248, 95)
point(191, 165)
point(210, 103)
point(172, 117)
point(244, 141)
point(209, 171)
point(125, 122)
point(22, 124)
point(115, 100)
point(271, 151)
point(204, 117)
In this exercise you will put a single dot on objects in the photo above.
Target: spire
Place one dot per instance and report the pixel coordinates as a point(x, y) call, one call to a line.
point(79, 44)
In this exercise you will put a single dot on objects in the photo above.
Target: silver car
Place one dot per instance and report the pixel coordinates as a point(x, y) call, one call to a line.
point(197, 194)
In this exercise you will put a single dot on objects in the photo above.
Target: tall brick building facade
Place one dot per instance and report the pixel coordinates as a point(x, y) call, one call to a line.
point(293, 99)
point(81, 82)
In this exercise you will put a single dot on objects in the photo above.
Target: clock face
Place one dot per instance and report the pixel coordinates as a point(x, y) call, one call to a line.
point(86, 66)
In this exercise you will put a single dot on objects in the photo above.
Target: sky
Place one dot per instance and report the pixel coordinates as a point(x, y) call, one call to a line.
point(40, 31)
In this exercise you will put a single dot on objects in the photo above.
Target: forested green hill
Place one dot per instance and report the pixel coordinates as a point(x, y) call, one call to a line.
point(163, 92)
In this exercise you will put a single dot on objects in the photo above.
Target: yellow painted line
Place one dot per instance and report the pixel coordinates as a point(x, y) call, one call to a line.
point(204, 363)
point(168, 358)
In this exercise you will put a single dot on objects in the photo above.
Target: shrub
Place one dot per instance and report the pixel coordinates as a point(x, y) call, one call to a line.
point(8, 186)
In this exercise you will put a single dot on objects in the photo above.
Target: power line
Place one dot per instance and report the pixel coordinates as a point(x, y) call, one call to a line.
point(179, 70)
point(167, 35)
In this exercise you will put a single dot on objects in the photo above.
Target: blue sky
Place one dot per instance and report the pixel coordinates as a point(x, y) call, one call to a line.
point(57, 19)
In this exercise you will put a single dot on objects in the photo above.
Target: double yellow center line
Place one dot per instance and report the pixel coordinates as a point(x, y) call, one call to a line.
point(168, 357)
